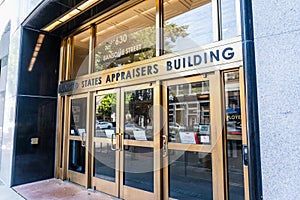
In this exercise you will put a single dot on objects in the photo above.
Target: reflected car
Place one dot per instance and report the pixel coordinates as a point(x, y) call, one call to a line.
point(103, 125)
point(175, 127)
point(233, 128)
point(129, 128)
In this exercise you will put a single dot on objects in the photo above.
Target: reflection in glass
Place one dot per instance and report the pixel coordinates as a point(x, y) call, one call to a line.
point(234, 136)
point(229, 25)
point(105, 123)
point(139, 115)
point(76, 156)
point(127, 37)
point(190, 175)
point(78, 116)
point(80, 54)
point(104, 161)
point(187, 25)
point(139, 169)
point(2, 99)
point(189, 113)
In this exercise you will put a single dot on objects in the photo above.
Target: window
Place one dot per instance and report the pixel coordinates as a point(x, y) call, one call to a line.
point(188, 24)
point(130, 36)
point(80, 54)
point(126, 38)
point(229, 20)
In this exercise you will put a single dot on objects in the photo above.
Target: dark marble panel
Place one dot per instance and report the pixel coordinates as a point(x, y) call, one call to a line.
point(39, 65)
point(35, 140)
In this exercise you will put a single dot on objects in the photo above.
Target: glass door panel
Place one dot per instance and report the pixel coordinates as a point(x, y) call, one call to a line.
point(77, 140)
point(138, 169)
point(105, 162)
point(189, 113)
point(138, 109)
point(190, 175)
point(137, 159)
point(193, 147)
point(234, 135)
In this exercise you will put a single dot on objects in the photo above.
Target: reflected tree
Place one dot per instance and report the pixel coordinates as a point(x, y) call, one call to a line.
point(105, 109)
point(113, 53)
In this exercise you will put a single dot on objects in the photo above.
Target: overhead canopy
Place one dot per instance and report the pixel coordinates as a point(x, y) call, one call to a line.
point(50, 10)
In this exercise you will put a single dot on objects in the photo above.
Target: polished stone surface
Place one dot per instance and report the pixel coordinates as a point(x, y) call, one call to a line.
point(275, 17)
point(277, 41)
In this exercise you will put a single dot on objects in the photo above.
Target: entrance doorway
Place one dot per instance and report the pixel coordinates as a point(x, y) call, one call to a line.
point(176, 139)
point(112, 140)
point(77, 131)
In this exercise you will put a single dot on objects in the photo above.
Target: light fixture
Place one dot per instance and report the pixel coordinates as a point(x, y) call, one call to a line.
point(72, 13)
point(37, 48)
point(69, 15)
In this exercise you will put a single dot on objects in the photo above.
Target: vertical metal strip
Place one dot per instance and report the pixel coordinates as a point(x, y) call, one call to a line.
point(157, 141)
point(255, 179)
point(62, 61)
point(159, 28)
point(238, 17)
point(68, 59)
point(67, 106)
point(165, 160)
point(217, 141)
point(217, 21)
point(91, 49)
point(120, 131)
point(122, 153)
point(244, 131)
point(225, 159)
point(89, 137)
point(59, 115)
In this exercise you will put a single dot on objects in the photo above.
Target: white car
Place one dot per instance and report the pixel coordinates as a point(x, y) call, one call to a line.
point(103, 125)
point(175, 127)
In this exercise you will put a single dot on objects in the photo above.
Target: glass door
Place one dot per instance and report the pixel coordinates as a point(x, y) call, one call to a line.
point(106, 142)
point(192, 144)
point(140, 134)
point(124, 142)
point(235, 135)
point(77, 132)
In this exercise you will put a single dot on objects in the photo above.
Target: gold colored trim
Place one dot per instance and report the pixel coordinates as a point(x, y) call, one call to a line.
point(244, 130)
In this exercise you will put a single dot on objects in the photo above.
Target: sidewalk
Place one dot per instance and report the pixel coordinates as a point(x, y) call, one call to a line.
point(51, 189)
point(7, 193)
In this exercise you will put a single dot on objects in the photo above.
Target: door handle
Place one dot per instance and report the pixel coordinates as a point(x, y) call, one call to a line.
point(121, 141)
point(83, 139)
point(112, 142)
point(165, 146)
point(245, 155)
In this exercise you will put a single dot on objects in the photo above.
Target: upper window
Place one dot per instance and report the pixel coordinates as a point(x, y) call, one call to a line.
point(130, 35)
point(80, 54)
point(187, 24)
point(126, 38)
point(229, 19)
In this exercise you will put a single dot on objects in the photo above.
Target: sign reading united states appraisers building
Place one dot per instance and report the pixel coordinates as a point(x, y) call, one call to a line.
point(158, 68)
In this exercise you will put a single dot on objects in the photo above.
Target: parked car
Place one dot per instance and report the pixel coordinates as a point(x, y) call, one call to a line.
point(103, 125)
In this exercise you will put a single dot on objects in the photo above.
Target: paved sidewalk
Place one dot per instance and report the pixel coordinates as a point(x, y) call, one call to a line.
point(51, 189)
point(7, 193)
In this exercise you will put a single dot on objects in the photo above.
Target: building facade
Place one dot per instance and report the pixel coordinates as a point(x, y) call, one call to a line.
point(153, 99)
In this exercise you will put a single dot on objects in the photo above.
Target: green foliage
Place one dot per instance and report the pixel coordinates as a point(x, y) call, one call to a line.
point(107, 103)
point(144, 37)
